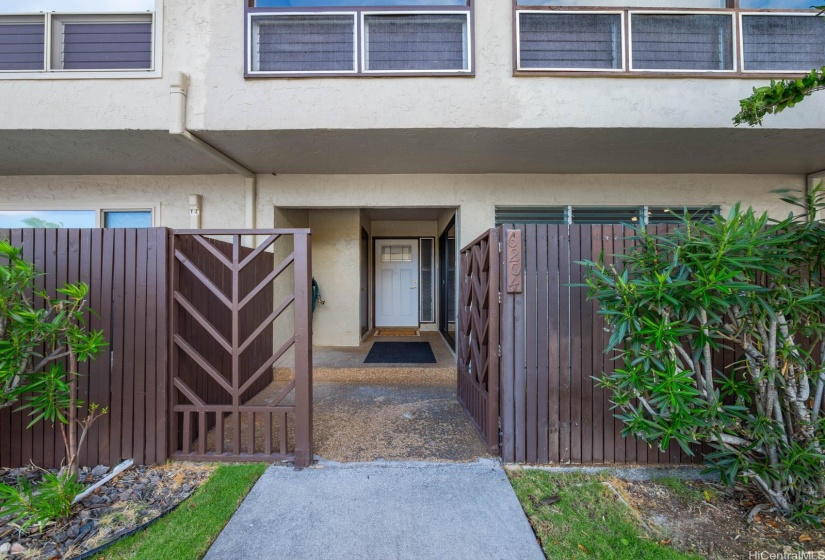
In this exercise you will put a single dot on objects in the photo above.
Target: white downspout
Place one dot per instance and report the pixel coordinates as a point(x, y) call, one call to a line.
point(179, 87)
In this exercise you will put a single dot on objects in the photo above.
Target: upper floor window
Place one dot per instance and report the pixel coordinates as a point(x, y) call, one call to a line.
point(55, 37)
point(707, 36)
point(351, 37)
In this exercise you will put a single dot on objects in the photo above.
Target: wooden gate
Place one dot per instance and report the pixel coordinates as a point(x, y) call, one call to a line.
point(553, 339)
point(477, 336)
point(235, 312)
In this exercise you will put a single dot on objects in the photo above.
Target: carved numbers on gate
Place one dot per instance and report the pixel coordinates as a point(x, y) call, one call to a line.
point(514, 260)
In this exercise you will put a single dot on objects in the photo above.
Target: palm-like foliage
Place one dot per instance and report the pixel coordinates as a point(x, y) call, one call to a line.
point(743, 282)
point(42, 340)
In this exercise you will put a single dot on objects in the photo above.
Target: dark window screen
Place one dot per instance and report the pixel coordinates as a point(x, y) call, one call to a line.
point(305, 43)
point(682, 42)
point(570, 41)
point(416, 42)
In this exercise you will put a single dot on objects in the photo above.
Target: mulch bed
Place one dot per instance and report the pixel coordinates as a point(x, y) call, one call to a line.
point(131, 499)
point(719, 527)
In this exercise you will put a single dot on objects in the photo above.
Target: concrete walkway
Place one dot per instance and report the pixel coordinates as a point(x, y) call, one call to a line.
point(383, 511)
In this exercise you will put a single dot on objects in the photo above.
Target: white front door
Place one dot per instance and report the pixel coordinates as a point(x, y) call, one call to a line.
point(396, 283)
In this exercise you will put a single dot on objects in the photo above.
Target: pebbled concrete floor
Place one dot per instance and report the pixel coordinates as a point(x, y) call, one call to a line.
point(364, 412)
point(381, 511)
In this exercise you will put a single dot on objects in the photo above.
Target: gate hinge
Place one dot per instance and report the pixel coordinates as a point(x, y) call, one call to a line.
point(500, 248)
point(499, 350)
point(499, 297)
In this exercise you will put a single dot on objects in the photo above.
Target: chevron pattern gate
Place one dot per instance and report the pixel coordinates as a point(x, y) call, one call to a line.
point(236, 311)
point(478, 335)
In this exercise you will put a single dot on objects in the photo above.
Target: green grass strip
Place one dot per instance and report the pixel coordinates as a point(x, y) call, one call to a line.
point(576, 516)
point(189, 531)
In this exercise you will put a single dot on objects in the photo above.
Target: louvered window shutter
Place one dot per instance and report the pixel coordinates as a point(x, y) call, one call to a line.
point(783, 43)
point(682, 42)
point(416, 42)
point(304, 43)
point(570, 41)
point(22, 46)
point(107, 46)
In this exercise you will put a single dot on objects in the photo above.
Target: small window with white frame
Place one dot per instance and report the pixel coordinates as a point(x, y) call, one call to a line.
point(89, 217)
point(79, 38)
point(342, 37)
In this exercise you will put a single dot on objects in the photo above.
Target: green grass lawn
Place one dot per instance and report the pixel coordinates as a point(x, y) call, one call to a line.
point(576, 516)
point(189, 531)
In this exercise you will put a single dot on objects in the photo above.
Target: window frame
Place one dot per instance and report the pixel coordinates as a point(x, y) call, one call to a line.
point(58, 21)
point(27, 19)
point(360, 41)
point(622, 18)
point(250, 30)
point(750, 12)
point(99, 210)
point(738, 39)
point(434, 278)
point(645, 12)
point(371, 12)
point(52, 73)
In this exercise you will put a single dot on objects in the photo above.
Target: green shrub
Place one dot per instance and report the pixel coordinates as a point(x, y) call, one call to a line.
point(743, 282)
point(50, 500)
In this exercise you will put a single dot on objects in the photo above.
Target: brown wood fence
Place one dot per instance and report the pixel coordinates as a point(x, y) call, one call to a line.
point(547, 347)
point(126, 272)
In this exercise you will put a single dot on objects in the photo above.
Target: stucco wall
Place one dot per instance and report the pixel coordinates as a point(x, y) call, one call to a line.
point(335, 257)
point(336, 233)
point(223, 195)
point(476, 196)
point(382, 228)
point(205, 39)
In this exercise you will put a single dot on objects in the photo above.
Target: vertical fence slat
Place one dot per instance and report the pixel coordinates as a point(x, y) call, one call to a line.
point(519, 364)
point(507, 371)
point(44, 248)
point(491, 402)
point(152, 338)
point(588, 309)
point(543, 341)
point(597, 407)
point(554, 340)
point(139, 352)
point(531, 341)
point(576, 235)
point(92, 256)
point(564, 346)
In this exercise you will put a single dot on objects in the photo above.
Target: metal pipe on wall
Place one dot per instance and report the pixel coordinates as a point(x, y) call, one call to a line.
point(179, 89)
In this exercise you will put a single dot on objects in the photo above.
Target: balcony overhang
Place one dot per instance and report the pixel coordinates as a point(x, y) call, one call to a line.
point(411, 151)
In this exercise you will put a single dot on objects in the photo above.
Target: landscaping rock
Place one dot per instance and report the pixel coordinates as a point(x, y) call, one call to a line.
point(5, 548)
point(17, 548)
point(100, 470)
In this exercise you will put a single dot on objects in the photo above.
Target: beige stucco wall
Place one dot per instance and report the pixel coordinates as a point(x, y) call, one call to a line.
point(283, 200)
point(205, 38)
point(335, 257)
point(476, 196)
point(422, 228)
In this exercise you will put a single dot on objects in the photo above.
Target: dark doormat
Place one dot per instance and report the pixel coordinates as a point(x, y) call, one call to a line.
point(400, 353)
